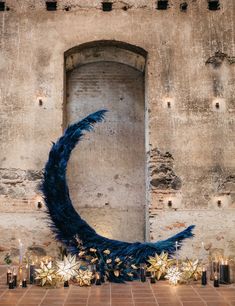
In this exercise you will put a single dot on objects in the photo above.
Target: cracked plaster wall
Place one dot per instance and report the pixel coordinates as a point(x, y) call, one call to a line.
point(183, 88)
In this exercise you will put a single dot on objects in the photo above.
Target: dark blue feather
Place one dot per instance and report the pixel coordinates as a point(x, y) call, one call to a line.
point(66, 223)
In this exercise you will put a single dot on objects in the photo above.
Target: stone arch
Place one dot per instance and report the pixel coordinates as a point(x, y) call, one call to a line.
point(106, 173)
point(112, 51)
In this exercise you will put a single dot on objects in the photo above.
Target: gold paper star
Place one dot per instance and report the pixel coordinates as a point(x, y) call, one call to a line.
point(46, 274)
point(191, 269)
point(67, 268)
point(84, 277)
point(93, 250)
point(118, 260)
point(173, 275)
point(159, 264)
point(116, 273)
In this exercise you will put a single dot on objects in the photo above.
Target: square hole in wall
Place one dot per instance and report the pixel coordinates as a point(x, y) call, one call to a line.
point(213, 5)
point(2, 6)
point(51, 5)
point(162, 4)
point(107, 6)
point(184, 6)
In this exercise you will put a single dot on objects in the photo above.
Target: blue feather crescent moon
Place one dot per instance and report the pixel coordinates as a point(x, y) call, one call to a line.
point(67, 224)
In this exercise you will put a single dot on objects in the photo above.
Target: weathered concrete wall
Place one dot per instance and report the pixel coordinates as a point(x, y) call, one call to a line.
point(189, 142)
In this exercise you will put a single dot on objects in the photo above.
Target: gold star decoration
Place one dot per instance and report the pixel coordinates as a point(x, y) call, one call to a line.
point(159, 264)
point(67, 268)
point(84, 277)
point(191, 269)
point(46, 274)
point(173, 274)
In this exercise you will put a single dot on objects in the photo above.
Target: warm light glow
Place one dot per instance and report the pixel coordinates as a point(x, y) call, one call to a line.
point(68, 268)
point(173, 275)
point(224, 261)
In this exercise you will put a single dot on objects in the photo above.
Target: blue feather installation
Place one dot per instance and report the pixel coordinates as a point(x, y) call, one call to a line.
point(68, 227)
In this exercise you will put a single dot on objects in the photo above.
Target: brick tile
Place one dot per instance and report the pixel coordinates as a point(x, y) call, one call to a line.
point(193, 304)
point(122, 300)
point(74, 304)
point(144, 301)
point(98, 304)
point(28, 304)
point(190, 298)
point(123, 303)
point(209, 298)
point(145, 304)
point(170, 304)
point(167, 300)
point(51, 304)
point(144, 297)
point(217, 304)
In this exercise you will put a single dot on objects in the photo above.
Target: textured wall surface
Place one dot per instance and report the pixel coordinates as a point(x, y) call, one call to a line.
point(189, 111)
point(107, 170)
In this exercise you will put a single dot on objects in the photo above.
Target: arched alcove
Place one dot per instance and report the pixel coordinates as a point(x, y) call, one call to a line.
point(106, 174)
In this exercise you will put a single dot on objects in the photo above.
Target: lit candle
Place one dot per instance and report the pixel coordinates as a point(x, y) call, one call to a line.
point(9, 275)
point(14, 279)
point(176, 252)
point(26, 272)
point(24, 283)
point(216, 281)
point(20, 252)
point(98, 281)
point(153, 278)
point(224, 272)
point(92, 269)
point(215, 266)
point(204, 278)
point(142, 273)
point(11, 284)
point(20, 274)
point(31, 273)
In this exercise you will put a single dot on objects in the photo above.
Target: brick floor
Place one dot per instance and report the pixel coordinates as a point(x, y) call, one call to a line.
point(130, 294)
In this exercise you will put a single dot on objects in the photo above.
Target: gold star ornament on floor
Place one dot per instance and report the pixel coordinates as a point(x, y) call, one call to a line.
point(68, 268)
point(191, 269)
point(84, 277)
point(159, 264)
point(174, 275)
point(46, 274)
